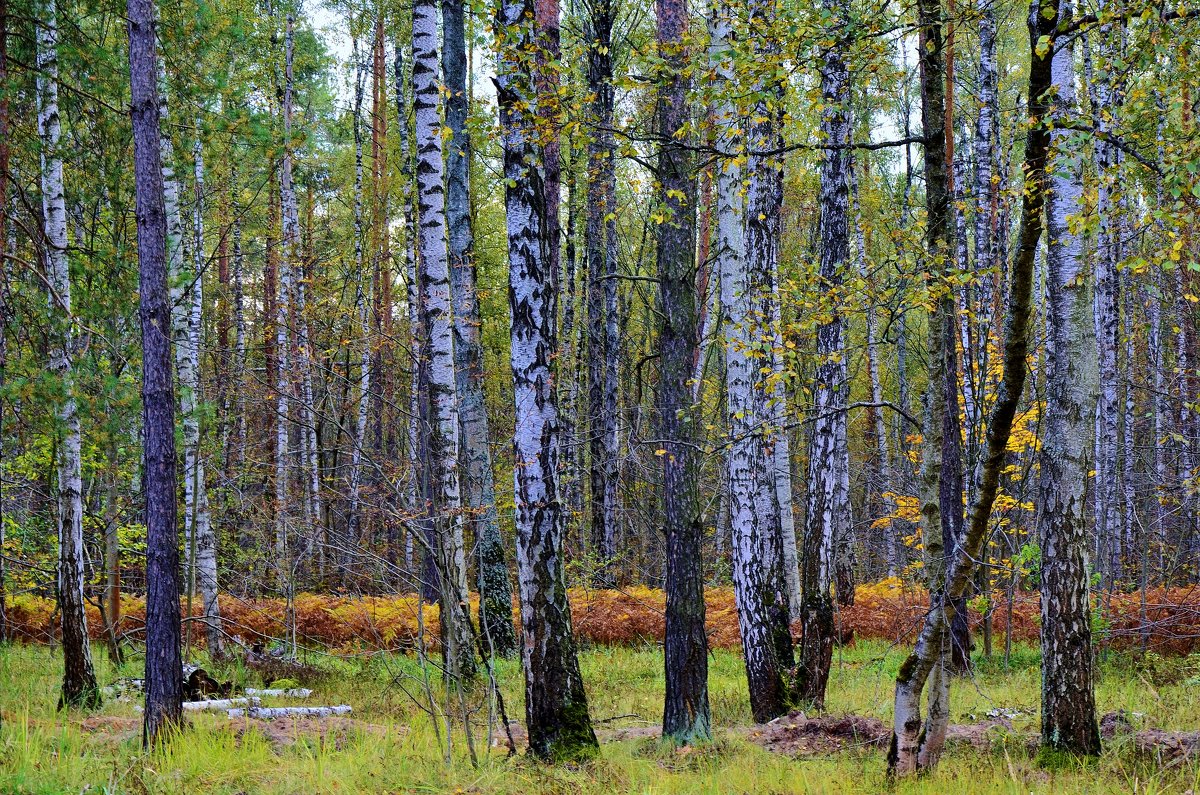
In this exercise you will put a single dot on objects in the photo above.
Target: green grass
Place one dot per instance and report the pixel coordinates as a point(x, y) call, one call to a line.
point(43, 751)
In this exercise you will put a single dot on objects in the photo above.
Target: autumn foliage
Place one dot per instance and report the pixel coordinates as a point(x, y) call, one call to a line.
point(888, 610)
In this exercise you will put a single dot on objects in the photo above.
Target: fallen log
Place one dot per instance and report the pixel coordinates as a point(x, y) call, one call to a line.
point(220, 703)
point(293, 692)
point(269, 713)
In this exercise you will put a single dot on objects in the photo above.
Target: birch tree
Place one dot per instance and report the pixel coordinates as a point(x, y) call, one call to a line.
point(828, 500)
point(745, 459)
point(495, 603)
point(444, 498)
point(556, 712)
point(79, 676)
point(1068, 700)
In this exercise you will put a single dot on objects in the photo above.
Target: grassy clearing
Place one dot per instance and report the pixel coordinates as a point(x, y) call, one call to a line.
point(391, 745)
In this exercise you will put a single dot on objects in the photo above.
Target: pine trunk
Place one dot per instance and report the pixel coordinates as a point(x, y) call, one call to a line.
point(686, 715)
point(164, 667)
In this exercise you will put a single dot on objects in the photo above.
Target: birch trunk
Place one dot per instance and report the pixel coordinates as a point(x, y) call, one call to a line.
point(746, 456)
point(1106, 315)
point(361, 305)
point(556, 710)
point(164, 668)
point(289, 245)
point(79, 687)
point(495, 589)
point(763, 208)
point(882, 484)
point(187, 329)
point(1068, 701)
point(436, 310)
point(827, 502)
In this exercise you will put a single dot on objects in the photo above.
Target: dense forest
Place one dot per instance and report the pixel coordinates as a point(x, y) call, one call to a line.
point(358, 330)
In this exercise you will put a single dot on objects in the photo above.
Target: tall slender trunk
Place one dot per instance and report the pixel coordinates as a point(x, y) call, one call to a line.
point(827, 502)
point(600, 238)
point(4, 155)
point(1068, 700)
point(495, 589)
point(187, 329)
point(555, 702)
point(414, 428)
point(915, 745)
point(1107, 297)
point(436, 309)
point(79, 676)
point(289, 247)
point(881, 484)
point(745, 460)
point(686, 715)
point(361, 307)
point(164, 668)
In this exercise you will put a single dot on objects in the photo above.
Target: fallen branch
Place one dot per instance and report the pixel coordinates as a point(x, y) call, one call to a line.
point(294, 692)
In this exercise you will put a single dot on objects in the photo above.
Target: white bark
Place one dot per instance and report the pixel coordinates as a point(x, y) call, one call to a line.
point(361, 305)
point(270, 713)
point(439, 340)
point(745, 452)
point(79, 683)
point(289, 245)
point(187, 330)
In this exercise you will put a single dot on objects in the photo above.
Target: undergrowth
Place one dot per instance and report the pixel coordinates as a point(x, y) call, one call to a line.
point(391, 745)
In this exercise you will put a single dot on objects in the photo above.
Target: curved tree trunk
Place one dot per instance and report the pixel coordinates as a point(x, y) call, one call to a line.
point(916, 746)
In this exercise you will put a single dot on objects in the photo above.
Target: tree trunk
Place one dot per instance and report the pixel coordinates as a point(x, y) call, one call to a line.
point(603, 320)
point(828, 503)
point(164, 668)
point(686, 715)
point(556, 710)
point(446, 503)
point(1108, 523)
point(353, 520)
point(495, 589)
point(1068, 700)
point(187, 302)
point(745, 460)
point(914, 746)
point(79, 676)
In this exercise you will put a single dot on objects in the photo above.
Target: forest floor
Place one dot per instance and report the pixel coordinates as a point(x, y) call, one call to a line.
point(389, 744)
